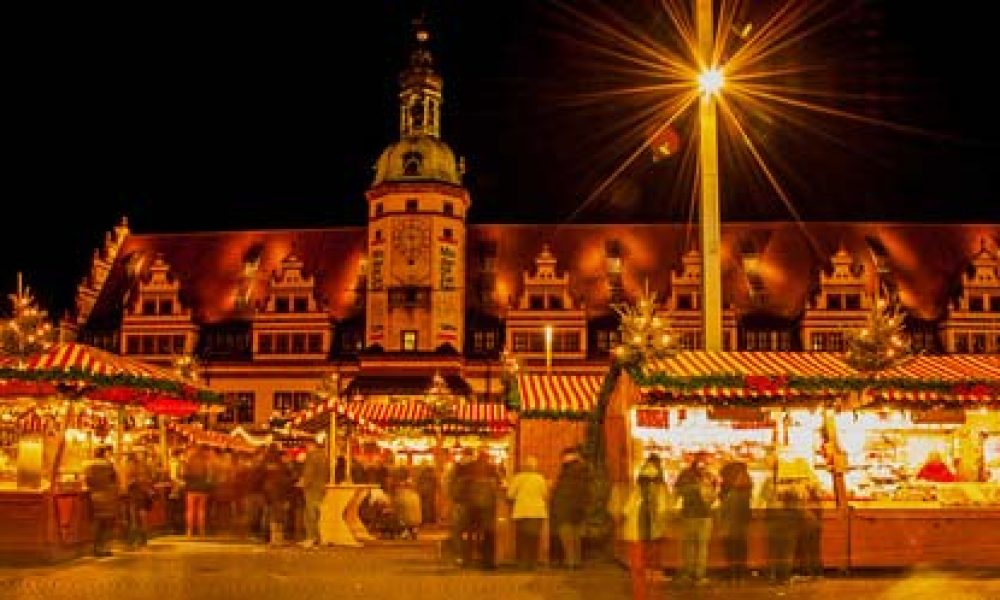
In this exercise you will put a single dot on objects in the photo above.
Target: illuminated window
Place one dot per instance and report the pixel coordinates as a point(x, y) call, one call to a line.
point(291, 401)
point(818, 342)
point(409, 340)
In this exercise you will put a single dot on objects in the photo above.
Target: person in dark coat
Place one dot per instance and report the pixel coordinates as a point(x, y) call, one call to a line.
point(735, 493)
point(458, 484)
point(102, 483)
point(427, 484)
point(484, 484)
point(570, 501)
point(278, 481)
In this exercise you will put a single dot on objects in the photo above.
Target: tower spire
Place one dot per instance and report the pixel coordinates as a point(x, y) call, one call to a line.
point(420, 89)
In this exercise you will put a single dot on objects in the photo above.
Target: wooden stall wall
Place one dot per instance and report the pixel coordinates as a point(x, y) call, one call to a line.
point(545, 439)
point(617, 446)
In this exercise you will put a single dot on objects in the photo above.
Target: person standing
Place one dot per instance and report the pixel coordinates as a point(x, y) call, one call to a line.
point(483, 486)
point(102, 482)
point(644, 522)
point(570, 499)
point(458, 483)
point(427, 487)
point(197, 486)
point(696, 486)
point(735, 491)
point(529, 491)
point(277, 489)
point(315, 477)
point(140, 500)
point(809, 543)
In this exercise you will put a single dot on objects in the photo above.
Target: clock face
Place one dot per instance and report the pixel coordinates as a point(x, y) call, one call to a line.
point(411, 243)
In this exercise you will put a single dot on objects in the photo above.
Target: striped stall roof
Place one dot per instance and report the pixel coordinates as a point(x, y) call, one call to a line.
point(951, 367)
point(402, 414)
point(698, 363)
point(571, 395)
point(70, 356)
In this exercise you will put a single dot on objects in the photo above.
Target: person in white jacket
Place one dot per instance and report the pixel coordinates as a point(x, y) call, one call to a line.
point(529, 491)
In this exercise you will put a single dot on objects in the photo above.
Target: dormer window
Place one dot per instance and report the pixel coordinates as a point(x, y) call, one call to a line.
point(995, 304)
point(852, 301)
point(833, 302)
point(555, 303)
point(536, 302)
point(301, 304)
point(281, 304)
point(166, 307)
point(148, 308)
point(411, 163)
point(685, 302)
point(976, 304)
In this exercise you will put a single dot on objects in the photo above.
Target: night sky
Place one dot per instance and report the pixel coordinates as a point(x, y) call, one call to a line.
point(267, 117)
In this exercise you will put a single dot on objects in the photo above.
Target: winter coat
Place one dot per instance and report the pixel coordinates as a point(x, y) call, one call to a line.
point(408, 506)
point(528, 490)
point(315, 473)
point(696, 488)
point(571, 494)
point(645, 512)
point(102, 481)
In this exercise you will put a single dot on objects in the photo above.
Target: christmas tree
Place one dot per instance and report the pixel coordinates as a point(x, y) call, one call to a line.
point(28, 330)
point(881, 343)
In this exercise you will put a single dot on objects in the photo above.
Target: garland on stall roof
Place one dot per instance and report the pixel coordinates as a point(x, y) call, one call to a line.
point(14, 374)
point(981, 389)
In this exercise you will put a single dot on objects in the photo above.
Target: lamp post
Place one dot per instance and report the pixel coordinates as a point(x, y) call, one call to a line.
point(710, 82)
point(331, 387)
point(548, 349)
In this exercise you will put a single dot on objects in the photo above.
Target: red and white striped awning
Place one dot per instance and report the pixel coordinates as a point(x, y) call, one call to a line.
point(71, 356)
point(572, 395)
point(950, 367)
point(411, 414)
point(700, 363)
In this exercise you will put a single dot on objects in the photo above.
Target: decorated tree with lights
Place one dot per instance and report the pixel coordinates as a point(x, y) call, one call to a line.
point(881, 343)
point(644, 334)
point(28, 330)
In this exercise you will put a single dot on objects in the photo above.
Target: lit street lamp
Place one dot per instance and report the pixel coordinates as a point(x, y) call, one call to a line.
point(710, 82)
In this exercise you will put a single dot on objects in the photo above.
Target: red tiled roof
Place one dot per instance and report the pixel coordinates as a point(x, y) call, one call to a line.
point(926, 260)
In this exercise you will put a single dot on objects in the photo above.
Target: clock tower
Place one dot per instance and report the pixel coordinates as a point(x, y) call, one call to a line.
point(416, 224)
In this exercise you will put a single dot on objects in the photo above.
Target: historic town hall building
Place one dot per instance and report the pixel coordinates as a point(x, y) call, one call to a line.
point(420, 290)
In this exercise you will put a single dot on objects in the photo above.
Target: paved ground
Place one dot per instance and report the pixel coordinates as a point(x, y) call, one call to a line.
point(175, 569)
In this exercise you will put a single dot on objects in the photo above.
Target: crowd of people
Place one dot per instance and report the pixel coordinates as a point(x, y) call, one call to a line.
point(702, 499)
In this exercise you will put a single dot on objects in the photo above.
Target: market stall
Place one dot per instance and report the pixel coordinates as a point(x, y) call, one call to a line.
point(57, 407)
point(860, 438)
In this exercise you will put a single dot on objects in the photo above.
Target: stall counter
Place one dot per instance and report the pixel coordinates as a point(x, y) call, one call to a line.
point(40, 526)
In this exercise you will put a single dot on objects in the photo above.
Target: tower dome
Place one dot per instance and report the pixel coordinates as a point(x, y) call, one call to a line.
point(419, 155)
